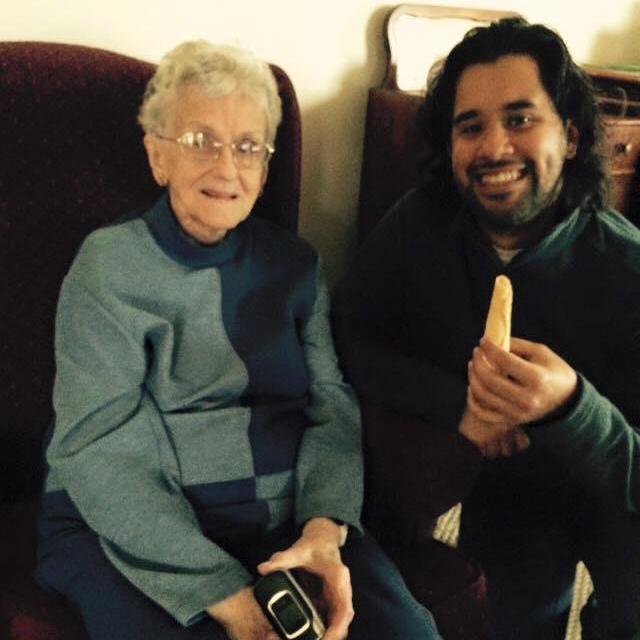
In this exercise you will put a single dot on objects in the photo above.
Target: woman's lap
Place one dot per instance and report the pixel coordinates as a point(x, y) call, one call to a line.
point(113, 608)
point(110, 606)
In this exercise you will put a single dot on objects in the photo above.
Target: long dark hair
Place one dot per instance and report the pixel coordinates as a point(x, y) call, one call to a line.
point(568, 86)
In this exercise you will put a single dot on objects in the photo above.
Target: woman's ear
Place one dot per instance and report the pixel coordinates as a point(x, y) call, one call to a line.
point(156, 159)
point(573, 137)
point(265, 174)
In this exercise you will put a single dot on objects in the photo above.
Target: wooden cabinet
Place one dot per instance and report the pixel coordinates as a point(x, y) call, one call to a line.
point(621, 148)
point(619, 97)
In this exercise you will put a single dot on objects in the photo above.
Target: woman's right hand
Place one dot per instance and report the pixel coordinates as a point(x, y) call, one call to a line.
point(241, 616)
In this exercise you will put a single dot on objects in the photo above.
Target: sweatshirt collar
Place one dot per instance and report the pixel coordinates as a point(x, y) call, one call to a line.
point(175, 243)
point(554, 242)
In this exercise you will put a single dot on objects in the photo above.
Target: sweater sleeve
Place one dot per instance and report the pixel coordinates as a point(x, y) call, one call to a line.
point(601, 447)
point(371, 330)
point(329, 471)
point(111, 453)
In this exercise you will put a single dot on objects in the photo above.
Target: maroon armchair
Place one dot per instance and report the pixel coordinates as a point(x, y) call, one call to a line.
point(72, 160)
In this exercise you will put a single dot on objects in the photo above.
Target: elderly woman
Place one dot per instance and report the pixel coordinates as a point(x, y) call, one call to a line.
point(203, 434)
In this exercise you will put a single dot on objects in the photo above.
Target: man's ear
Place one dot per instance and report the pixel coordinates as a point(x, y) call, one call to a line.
point(573, 137)
point(156, 159)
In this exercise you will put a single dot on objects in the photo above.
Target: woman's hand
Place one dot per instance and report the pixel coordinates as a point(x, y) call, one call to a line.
point(241, 616)
point(318, 552)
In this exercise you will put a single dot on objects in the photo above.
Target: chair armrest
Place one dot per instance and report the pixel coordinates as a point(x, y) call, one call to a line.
point(452, 587)
point(414, 472)
point(18, 535)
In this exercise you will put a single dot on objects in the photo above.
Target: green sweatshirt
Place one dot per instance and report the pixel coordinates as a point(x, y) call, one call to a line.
point(413, 307)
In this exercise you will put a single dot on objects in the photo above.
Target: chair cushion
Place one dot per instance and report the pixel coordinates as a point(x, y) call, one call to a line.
point(17, 537)
point(414, 473)
point(28, 613)
point(450, 586)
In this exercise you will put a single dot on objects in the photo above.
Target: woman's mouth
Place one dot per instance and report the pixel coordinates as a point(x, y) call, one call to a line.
point(218, 195)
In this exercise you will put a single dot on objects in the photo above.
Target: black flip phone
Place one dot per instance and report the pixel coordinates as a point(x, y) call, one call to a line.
point(288, 607)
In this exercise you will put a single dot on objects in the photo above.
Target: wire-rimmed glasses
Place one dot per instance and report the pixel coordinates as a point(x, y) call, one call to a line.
point(202, 146)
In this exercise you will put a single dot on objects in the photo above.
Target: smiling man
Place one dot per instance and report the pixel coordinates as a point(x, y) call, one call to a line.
point(514, 184)
point(508, 148)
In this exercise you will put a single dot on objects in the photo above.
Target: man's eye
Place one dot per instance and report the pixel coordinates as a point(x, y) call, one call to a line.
point(469, 129)
point(518, 121)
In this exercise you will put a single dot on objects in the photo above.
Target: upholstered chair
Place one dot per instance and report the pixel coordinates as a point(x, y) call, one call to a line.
point(72, 160)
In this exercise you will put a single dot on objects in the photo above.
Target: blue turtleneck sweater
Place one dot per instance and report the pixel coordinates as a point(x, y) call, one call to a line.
point(197, 397)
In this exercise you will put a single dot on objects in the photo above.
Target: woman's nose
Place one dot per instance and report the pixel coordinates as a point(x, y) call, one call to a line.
point(225, 164)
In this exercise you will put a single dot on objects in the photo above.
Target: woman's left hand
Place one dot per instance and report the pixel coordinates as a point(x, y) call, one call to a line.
point(318, 552)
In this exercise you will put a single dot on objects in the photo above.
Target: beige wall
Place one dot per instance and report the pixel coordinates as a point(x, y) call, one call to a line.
point(331, 49)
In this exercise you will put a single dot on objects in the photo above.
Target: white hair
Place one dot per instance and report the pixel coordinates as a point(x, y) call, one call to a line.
point(216, 69)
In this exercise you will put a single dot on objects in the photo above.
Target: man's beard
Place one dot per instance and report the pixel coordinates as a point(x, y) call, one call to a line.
point(530, 205)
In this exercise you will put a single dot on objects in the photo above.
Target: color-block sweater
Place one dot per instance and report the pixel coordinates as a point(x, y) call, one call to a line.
point(197, 395)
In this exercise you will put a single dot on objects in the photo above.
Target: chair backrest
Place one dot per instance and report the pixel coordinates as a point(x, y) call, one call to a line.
point(72, 160)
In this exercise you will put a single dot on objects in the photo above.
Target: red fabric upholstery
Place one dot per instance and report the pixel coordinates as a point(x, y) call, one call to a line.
point(453, 588)
point(72, 159)
point(391, 150)
point(26, 612)
point(414, 473)
point(432, 470)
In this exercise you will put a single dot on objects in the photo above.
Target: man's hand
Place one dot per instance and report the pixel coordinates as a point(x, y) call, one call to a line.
point(318, 552)
point(241, 616)
point(527, 384)
point(492, 439)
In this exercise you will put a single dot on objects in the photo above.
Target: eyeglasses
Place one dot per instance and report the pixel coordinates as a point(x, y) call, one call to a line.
point(203, 147)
